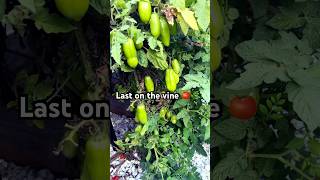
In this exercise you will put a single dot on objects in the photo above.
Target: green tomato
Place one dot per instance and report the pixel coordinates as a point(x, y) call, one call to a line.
point(141, 114)
point(133, 62)
point(138, 128)
point(148, 82)
point(144, 9)
point(163, 112)
point(129, 49)
point(174, 119)
point(165, 32)
point(176, 66)
point(169, 114)
point(73, 9)
point(97, 156)
point(171, 80)
point(155, 25)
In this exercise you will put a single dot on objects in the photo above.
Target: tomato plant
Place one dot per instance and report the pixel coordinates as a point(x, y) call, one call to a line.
point(174, 57)
point(267, 71)
point(63, 64)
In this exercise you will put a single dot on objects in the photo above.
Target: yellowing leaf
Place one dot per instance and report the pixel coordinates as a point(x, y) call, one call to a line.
point(189, 18)
point(183, 25)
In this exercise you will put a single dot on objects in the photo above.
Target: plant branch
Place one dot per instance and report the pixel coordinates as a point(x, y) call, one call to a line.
point(284, 161)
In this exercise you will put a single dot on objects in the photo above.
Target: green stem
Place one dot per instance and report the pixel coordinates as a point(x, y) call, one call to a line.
point(84, 52)
point(157, 159)
point(284, 161)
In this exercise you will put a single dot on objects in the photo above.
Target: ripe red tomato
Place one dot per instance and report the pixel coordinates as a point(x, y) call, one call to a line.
point(186, 95)
point(122, 156)
point(115, 178)
point(243, 108)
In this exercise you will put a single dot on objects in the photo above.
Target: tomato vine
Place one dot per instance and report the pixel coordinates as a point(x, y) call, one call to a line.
point(175, 58)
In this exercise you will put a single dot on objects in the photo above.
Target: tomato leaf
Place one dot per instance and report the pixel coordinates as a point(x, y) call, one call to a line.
point(295, 143)
point(143, 60)
point(116, 39)
point(158, 59)
point(52, 23)
point(101, 6)
point(232, 129)
point(286, 19)
point(202, 16)
point(189, 18)
point(231, 166)
point(178, 3)
point(183, 25)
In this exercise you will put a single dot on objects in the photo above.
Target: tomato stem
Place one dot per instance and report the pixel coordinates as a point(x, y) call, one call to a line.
point(284, 161)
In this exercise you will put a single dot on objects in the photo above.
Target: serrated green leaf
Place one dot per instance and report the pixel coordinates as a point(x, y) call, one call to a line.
point(202, 16)
point(311, 32)
point(184, 115)
point(144, 129)
point(257, 73)
point(263, 109)
point(286, 20)
point(199, 148)
point(183, 25)
point(158, 59)
point(152, 42)
point(295, 143)
point(101, 6)
point(29, 4)
point(16, 18)
point(180, 104)
point(199, 80)
point(306, 102)
point(186, 134)
point(232, 129)
point(231, 166)
point(188, 17)
point(52, 23)
point(143, 60)
point(116, 39)
point(177, 3)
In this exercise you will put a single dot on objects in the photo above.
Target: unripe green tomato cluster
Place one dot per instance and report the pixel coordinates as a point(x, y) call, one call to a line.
point(167, 114)
point(158, 25)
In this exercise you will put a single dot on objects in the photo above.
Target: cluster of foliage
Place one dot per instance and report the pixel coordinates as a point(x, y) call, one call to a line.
point(272, 55)
point(175, 129)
